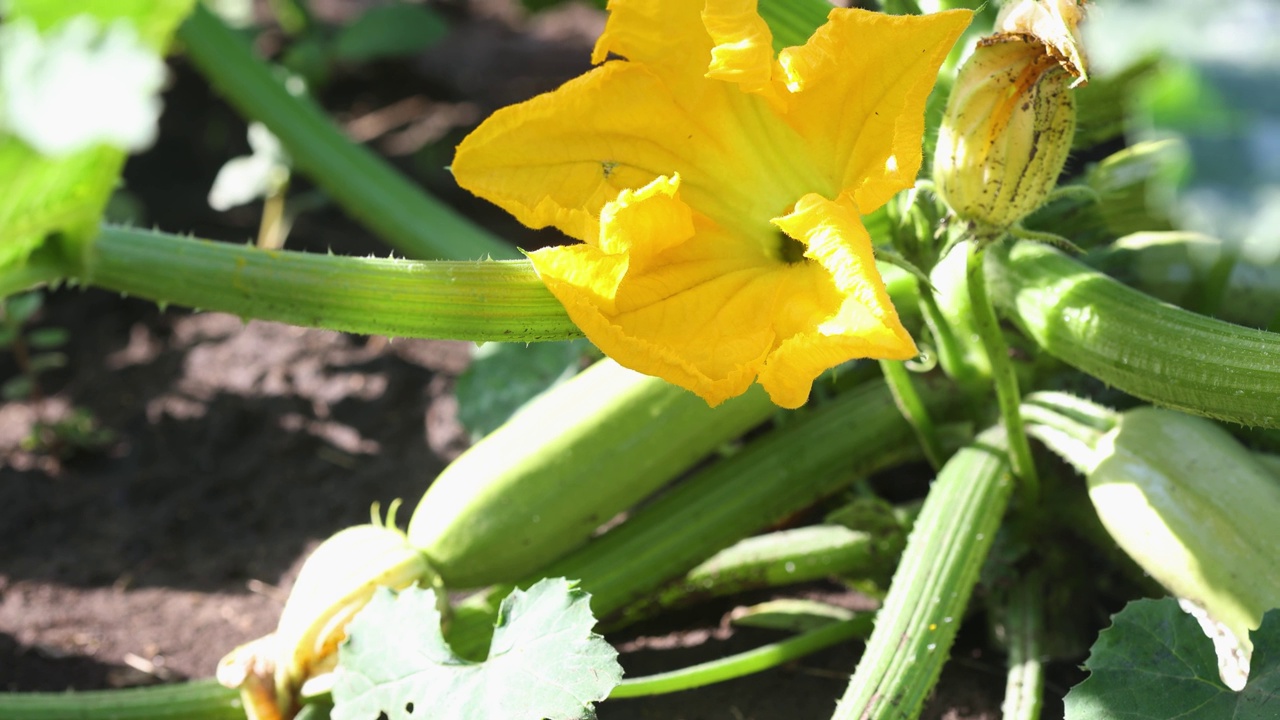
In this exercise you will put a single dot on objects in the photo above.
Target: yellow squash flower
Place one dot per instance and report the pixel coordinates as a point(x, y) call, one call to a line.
point(718, 189)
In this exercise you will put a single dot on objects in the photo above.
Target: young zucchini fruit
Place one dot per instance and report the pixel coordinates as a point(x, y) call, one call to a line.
point(1196, 510)
point(818, 452)
point(1134, 342)
point(581, 453)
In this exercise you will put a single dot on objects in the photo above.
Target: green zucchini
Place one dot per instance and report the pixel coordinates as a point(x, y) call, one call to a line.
point(816, 453)
point(1195, 509)
point(1134, 342)
point(575, 457)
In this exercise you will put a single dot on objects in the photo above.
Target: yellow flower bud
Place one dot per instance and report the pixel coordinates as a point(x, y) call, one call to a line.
point(1006, 133)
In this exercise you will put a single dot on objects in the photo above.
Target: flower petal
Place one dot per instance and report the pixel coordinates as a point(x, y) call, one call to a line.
point(665, 35)
point(743, 52)
point(557, 159)
point(860, 86)
point(865, 323)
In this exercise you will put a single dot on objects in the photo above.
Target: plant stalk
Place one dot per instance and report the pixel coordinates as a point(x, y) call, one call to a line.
point(1024, 628)
point(480, 301)
point(912, 407)
point(746, 663)
point(1008, 396)
point(917, 624)
point(404, 215)
point(195, 700)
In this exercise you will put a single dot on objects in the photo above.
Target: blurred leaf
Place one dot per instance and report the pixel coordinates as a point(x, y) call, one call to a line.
point(1155, 663)
point(47, 361)
point(19, 308)
point(503, 377)
point(308, 58)
point(544, 662)
point(389, 31)
point(155, 20)
point(47, 338)
point(50, 87)
point(1217, 93)
point(16, 388)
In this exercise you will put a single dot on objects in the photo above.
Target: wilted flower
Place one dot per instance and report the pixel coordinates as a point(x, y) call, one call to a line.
point(1011, 116)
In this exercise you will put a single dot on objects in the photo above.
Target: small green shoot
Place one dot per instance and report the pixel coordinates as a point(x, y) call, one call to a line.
point(34, 351)
point(544, 662)
point(1155, 663)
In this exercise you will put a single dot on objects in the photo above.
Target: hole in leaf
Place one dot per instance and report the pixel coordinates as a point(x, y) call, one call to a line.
point(408, 708)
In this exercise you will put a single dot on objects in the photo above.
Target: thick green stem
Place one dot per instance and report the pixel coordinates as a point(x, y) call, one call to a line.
point(753, 661)
point(932, 585)
point(197, 700)
point(489, 301)
point(480, 301)
point(364, 185)
point(1008, 396)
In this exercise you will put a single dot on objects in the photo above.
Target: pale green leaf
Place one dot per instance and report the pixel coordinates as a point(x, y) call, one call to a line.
point(544, 661)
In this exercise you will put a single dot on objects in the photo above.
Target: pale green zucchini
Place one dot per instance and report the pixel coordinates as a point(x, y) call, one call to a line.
point(1134, 342)
point(579, 454)
point(814, 454)
point(1195, 509)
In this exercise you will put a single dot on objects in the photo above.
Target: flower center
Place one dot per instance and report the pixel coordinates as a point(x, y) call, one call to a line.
point(790, 250)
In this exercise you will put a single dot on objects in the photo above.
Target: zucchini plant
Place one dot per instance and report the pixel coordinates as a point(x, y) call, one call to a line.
point(752, 207)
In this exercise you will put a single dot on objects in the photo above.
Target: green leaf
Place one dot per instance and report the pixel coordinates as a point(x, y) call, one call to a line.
point(48, 338)
point(19, 308)
point(544, 661)
point(16, 388)
point(155, 20)
point(1155, 663)
point(503, 377)
point(389, 31)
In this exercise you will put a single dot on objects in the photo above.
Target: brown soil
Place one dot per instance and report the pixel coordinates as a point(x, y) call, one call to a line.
point(237, 447)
